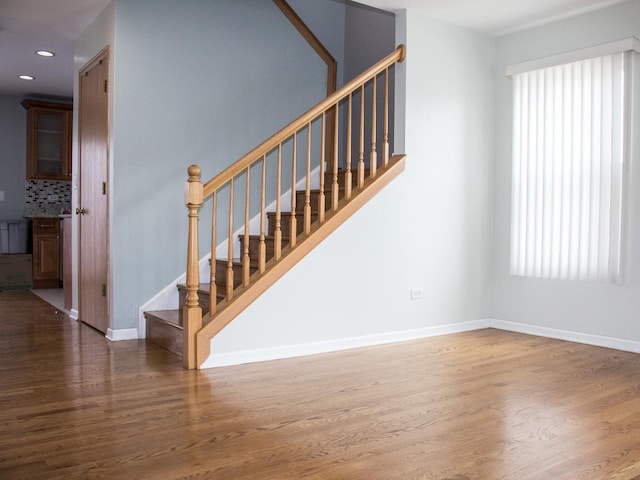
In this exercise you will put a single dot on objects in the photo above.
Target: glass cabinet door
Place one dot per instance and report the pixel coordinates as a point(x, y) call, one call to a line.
point(49, 135)
point(48, 140)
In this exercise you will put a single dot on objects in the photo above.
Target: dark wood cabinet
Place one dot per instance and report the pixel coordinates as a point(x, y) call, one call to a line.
point(48, 140)
point(46, 252)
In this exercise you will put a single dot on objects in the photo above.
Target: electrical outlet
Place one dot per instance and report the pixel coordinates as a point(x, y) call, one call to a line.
point(52, 198)
point(416, 293)
point(1, 196)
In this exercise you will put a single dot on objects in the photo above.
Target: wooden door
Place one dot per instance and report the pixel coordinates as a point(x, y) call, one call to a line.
point(93, 137)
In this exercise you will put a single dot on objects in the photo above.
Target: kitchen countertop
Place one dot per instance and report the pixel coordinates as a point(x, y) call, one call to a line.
point(44, 215)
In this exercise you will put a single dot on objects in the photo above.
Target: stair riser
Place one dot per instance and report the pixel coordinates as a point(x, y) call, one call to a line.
point(328, 177)
point(222, 267)
point(165, 335)
point(314, 201)
point(285, 223)
point(254, 248)
point(203, 301)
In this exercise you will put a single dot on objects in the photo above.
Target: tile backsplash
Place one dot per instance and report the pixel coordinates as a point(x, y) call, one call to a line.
point(47, 198)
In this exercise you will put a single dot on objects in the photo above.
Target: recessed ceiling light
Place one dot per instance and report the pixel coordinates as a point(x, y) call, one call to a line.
point(45, 53)
point(26, 77)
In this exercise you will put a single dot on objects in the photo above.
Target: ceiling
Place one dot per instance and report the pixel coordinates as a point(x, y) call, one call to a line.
point(496, 17)
point(30, 25)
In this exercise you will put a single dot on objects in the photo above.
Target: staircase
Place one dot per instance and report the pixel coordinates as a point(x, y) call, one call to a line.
point(286, 233)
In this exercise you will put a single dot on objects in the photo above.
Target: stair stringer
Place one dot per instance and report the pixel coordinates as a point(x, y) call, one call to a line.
point(244, 297)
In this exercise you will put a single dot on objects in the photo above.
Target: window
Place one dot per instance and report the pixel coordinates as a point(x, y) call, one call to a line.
point(570, 149)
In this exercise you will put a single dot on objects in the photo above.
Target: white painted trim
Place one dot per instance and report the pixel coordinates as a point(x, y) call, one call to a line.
point(122, 334)
point(165, 299)
point(556, 18)
point(570, 336)
point(299, 350)
point(289, 351)
point(625, 45)
point(73, 313)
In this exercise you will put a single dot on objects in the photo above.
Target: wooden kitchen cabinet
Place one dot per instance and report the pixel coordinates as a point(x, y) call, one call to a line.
point(48, 140)
point(66, 260)
point(46, 252)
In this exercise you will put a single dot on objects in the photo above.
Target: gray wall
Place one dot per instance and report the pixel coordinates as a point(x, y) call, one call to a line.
point(586, 307)
point(369, 36)
point(13, 152)
point(326, 19)
point(196, 81)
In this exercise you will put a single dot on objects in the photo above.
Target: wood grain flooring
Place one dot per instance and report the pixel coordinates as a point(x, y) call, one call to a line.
point(479, 405)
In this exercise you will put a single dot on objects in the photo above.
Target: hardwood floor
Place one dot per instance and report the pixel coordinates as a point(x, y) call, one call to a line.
point(479, 405)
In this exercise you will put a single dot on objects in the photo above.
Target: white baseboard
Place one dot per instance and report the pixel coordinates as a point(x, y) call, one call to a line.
point(122, 334)
point(299, 350)
point(577, 337)
point(73, 313)
point(289, 351)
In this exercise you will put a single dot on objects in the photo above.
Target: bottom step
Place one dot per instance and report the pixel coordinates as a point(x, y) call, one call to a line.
point(165, 329)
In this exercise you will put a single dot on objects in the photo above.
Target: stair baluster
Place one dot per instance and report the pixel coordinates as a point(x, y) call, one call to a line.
point(307, 187)
point(262, 252)
point(335, 187)
point(373, 162)
point(213, 287)
point(361, 151)
point(278, 230)
point(347, 173)
point(229, 289)
point(245, 257)
point(323, 159)
point(293, 226)
point(385, 133)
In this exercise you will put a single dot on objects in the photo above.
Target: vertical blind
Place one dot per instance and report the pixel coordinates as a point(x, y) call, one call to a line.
point(568, 170)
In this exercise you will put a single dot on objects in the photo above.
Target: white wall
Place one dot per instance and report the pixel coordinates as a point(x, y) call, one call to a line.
point(430, 228)
point(586, 307)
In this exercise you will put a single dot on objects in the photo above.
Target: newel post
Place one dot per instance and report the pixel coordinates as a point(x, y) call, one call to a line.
point(191, 312)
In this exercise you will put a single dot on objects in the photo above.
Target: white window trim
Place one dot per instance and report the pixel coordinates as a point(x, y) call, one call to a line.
point(618, 46)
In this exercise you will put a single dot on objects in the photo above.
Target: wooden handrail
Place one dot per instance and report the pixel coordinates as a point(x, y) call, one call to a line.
point(312, 213)
point(312, 40)
point(272, 142)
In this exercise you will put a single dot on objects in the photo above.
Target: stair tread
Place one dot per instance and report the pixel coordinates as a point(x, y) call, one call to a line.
point(204, 289)
point(266, 237)
point(290, 214)
point(237, 262)
point(167, 316)
point(165, 329)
